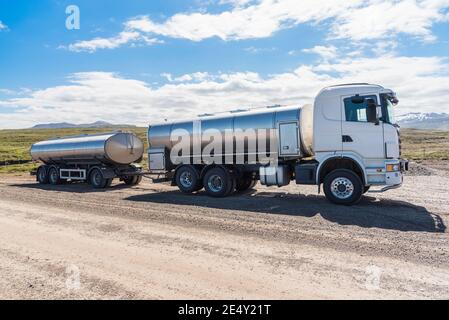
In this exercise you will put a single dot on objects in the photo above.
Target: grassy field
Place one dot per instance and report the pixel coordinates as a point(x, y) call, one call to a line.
point(425, 144)
point(15, 144)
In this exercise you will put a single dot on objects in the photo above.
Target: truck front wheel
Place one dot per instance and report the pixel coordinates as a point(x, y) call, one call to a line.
point(343, 186)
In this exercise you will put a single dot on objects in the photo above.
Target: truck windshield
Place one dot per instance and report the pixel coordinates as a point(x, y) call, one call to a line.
point(388, 103)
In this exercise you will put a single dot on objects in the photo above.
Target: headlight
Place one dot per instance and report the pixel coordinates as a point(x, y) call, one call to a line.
point(393, 167)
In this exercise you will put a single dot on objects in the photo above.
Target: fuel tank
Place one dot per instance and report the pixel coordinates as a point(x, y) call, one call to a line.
point(120, 148)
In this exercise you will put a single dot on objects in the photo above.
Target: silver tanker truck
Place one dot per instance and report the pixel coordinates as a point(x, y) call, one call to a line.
point(97, 159)
point(347, 141)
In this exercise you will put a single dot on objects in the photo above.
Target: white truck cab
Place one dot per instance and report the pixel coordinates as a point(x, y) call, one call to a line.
point(355, 123)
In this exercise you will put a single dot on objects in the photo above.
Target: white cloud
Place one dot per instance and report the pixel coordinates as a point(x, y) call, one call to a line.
point(122, 38)
point(327, 53)
point(3, 26)
point(421, 84)
point(196, 76)
point(255, 50)
point(380, 19)
point(355, 20)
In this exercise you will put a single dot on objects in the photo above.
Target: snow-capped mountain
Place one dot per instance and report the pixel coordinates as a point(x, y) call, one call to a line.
point(418, 120)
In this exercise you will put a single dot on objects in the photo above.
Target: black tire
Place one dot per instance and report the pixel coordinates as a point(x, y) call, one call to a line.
point(343, 186)
point(244, 184)
point(53, 176)
point(218, 182)
point(132, 180)
point(97, 180)
point(42, 175)
point(138, 180)
point(366, 189)
point(187, 179)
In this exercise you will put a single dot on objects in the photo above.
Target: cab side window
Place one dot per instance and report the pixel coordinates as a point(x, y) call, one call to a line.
point(357, 112)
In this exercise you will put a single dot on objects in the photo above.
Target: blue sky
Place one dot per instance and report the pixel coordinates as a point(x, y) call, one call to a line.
point(142, 61)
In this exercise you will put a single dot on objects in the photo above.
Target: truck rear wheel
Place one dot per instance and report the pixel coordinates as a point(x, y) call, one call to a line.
point(343, 186)
point(218, 182)
point(187, 179)
point(53, 176)
point(42, 175)
point(97, 180)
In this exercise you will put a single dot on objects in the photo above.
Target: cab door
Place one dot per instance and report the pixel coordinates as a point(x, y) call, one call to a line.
point(359, 135)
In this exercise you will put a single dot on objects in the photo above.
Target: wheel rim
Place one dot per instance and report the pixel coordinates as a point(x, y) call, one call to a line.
point(53, 175)
point(186, 179)
point(97, 178)
point(342, 188)
point(215, 183)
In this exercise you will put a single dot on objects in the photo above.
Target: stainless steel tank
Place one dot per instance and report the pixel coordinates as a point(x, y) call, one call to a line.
point(268, 119)
point(113, 148)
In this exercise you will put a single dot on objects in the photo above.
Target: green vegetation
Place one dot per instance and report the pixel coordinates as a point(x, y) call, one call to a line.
point(425, 144)
point(15, 144)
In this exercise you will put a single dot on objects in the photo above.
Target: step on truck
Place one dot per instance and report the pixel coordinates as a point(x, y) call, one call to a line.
point(97, 159)
point(347, 141)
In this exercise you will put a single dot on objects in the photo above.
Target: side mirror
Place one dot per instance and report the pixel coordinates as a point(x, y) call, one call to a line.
point(371, 112)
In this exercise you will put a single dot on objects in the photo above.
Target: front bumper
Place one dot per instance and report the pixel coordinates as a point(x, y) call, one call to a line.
point(395, 178)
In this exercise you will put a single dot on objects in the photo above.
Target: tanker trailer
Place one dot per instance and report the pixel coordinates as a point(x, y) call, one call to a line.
point(97, 158)
point(346, 141)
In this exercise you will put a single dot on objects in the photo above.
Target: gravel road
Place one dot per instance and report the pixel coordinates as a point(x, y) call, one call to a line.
point(151, 241)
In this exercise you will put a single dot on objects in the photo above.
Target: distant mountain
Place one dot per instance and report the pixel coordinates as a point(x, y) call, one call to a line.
point(418, 120)
point(65, 125)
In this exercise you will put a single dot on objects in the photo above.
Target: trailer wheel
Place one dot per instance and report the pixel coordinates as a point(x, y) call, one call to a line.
point(53, 176)
point(244, 184)
point(97, 180)
point(42, 175)
point(218, 182)
point(138, 180)
point(343, 186)
point(187, 179)
point(133, 180)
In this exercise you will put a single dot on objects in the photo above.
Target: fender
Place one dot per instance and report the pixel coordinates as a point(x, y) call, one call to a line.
point(343, 155)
